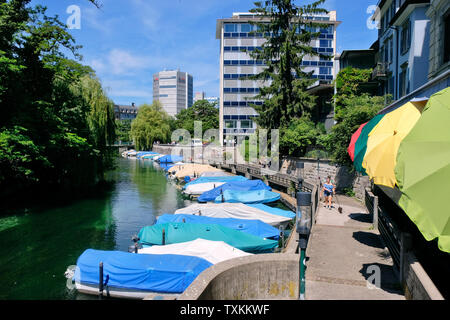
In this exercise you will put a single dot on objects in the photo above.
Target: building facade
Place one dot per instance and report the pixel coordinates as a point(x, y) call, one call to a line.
point(174, 89)
point(213, 100)
point(413, 57)
point(199, 96)
point(236, 95)
point(122, 112)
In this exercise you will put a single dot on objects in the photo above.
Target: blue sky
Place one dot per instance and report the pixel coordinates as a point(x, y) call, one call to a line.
point(127, 41)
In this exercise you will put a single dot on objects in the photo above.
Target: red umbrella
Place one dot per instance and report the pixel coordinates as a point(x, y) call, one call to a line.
point(355, 136)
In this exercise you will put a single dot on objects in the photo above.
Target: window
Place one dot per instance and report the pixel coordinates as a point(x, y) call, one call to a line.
point(246, 28)
point(325, 43)
point(405, 40)
point(246, 124)
point(323, 70)
point(446, 37)
point(167, 87)
point(229, 27)
point(403, 86)
point(391, 50)
point(230, 124)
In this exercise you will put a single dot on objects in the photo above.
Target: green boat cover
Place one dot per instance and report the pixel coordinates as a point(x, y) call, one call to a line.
point(184, 232)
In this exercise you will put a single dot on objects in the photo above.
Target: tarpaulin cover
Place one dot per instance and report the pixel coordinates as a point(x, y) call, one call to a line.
point(250, 197)
point(233, 210)
point(166, 165)
point(170, 159)
point(212, 251)
point(143, 153)
point(275, 211)
point(247, 185)
point(153, 273)
point(184, 232)
point(215, 179)
point(254, 227)
point(200, 188)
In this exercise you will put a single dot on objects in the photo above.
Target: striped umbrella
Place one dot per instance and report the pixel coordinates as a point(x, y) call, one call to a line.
point(355, 136)
point(361, 143)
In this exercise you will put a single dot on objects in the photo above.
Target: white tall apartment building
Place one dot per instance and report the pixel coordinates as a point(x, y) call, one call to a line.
point(236, 95)
point(174, 89)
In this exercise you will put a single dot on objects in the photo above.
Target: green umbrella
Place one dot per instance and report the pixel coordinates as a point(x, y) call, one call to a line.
point(423, 171)
point(361, 143)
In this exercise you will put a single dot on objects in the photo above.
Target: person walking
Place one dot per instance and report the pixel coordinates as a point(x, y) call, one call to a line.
point(328, 191)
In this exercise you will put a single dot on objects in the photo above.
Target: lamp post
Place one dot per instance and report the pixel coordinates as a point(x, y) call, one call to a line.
point(303, 229)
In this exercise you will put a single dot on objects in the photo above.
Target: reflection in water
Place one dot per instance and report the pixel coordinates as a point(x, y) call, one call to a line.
point(37, 247)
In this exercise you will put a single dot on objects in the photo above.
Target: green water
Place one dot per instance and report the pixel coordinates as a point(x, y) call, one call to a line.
point(38, 246)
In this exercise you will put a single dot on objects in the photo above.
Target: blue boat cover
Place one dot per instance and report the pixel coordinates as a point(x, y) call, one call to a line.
point(215, 179)
point(246, 185)
point(254, 227)
point(166, 166)
point(275, 211)
point(259, 196)
point(143, 153)
point(145, 272)
point(183, 232)
point(170, 159)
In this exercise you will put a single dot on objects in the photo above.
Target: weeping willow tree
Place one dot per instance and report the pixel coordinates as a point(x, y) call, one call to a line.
point(288, 30)
point(151, 124)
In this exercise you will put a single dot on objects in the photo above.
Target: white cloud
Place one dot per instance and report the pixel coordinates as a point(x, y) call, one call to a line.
point(122, 62)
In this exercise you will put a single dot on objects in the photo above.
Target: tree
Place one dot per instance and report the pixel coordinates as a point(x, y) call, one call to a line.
point(359, 110)
point(288, 34)
point(123, 130)
point(349, 83)
point(56, 121)
point(151, 124)
point(298, 136)
point(202, 111)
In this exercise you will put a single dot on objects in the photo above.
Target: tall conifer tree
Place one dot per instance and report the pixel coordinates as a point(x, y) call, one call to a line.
point(288, 30)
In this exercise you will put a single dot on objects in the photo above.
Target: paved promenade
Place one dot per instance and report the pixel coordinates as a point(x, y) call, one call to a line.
point(342, 252)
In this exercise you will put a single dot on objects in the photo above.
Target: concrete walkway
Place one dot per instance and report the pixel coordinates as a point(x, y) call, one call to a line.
point(343, 253)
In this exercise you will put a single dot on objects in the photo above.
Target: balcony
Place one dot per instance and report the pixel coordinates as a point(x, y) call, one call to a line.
point(380, 72)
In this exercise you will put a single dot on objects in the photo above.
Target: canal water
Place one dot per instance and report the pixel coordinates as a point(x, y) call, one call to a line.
point(38, 246)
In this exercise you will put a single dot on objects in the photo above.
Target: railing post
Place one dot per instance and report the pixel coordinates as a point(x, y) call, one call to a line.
point(375, 213)
point(405, 247)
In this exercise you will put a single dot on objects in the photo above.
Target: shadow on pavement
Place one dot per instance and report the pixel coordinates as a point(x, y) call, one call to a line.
point(369, 239)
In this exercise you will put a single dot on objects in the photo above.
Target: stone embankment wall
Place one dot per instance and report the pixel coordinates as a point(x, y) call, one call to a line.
point(341, 176)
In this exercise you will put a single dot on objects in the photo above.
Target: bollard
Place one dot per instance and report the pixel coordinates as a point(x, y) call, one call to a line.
point(303, 229)
point(100, 281)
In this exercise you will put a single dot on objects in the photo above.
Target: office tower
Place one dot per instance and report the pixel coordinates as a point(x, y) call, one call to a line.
point(174, 89)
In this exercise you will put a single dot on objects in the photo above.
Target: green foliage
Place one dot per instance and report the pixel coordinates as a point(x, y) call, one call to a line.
point(349, 83)
point(298, 136)
point(359, 109)
point(151, 124)
point(123, 130)
point(202, 111)
point(287, 42)
point(56, 121)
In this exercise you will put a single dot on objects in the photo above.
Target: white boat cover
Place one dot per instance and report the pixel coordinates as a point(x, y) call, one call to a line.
point(212, 251)
point(199, 188)
point(220, 173)
point(234, 210)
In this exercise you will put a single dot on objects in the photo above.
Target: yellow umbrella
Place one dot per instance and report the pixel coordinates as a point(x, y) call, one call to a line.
point(384, 140)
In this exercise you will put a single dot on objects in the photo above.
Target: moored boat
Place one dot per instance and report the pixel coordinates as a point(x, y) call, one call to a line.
point(172, 232)
point(134, 276)
point(237, 211)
